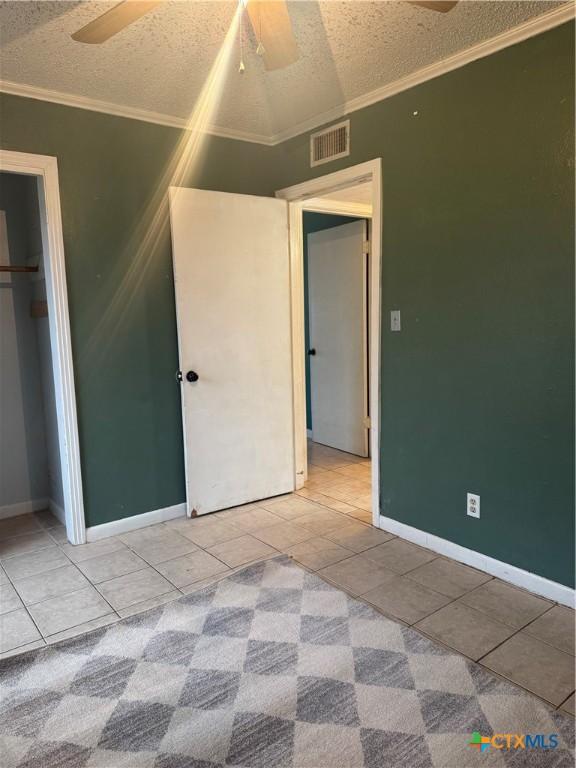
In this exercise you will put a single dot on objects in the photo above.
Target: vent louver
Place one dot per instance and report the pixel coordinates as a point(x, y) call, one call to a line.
point(330, 144)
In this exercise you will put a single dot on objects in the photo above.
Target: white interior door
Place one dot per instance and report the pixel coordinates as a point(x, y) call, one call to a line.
point(231, 272)
point(337, 289)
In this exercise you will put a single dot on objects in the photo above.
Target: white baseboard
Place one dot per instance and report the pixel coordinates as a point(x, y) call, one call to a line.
point(103, 531)
point(309, 433)
point(510, 573)
point(57, 511)
point(23, 508)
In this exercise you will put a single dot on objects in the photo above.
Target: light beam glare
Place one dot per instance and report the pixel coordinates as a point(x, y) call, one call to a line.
point(148, 234)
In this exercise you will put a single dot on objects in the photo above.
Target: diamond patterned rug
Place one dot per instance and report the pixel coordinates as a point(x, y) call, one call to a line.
point(269, 667)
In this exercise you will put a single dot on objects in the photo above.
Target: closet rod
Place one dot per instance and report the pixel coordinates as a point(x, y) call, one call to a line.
point(9, 268)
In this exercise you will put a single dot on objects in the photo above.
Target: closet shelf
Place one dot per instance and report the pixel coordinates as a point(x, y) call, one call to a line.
point(10, 268)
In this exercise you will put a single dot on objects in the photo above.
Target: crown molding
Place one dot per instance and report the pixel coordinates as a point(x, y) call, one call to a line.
point(512, 36)
point(133, 113)
point(518, 34)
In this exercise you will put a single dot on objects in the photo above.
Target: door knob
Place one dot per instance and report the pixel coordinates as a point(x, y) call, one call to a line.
point(311, 351)
point(191, 376)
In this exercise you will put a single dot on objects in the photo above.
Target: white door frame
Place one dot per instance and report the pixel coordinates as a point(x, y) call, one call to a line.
point(45, 168)
point(297, 197)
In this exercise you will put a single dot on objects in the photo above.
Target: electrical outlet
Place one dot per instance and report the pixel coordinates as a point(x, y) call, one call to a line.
point(473, 504)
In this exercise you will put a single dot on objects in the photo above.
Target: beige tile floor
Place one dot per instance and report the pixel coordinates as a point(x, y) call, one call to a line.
point(50, 589)
point(339, 481)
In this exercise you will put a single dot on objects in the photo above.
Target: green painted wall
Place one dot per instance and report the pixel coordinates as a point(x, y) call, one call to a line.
point(128, 400)
point(314, 222)
point(478, 254)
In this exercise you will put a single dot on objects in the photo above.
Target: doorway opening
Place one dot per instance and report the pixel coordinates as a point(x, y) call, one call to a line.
point(336, 282)
point(40, 479)
point(335, 252)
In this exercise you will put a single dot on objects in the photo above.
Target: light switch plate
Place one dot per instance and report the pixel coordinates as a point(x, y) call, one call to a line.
point(395, 320)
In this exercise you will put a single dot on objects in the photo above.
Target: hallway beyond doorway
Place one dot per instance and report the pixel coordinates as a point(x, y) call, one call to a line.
point(339, 480)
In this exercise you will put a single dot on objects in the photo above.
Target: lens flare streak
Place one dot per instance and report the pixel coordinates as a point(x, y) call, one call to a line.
point(147, 237)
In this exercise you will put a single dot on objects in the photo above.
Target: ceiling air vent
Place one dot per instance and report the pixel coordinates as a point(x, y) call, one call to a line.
point(330, 144)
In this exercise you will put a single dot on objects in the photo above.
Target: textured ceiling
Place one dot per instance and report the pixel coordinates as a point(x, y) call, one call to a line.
point(160, 62)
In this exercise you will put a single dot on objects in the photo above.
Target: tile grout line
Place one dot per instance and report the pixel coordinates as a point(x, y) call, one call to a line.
point(344, 515)
point(510, 679)
point(479, 660)
point(450, 602)
point(27, 612)
point(458, 599)
point(58, 546)
point(498, 645)
point(219, 577)
point(339, 586)
point(67, 594)
point(479, 586)
point(113, 613)
point(516, 632)
point(327, 506)
point(564, 702)
point(546, 642)
point(199, 548)
point(433, 639)
point(147, 564)
point(11, 581)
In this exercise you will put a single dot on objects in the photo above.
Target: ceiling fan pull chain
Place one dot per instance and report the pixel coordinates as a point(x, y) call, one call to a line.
point(241, 68)
point(260, 50)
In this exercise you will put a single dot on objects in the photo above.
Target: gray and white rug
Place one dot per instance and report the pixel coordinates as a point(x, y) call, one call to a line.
point(268, 667)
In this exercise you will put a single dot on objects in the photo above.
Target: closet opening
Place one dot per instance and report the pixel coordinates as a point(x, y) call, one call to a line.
point(40, 487)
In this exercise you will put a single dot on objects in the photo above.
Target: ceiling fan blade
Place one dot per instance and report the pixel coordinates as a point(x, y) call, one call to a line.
point(443, 6)
point(273, 28)
point(114, 21)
